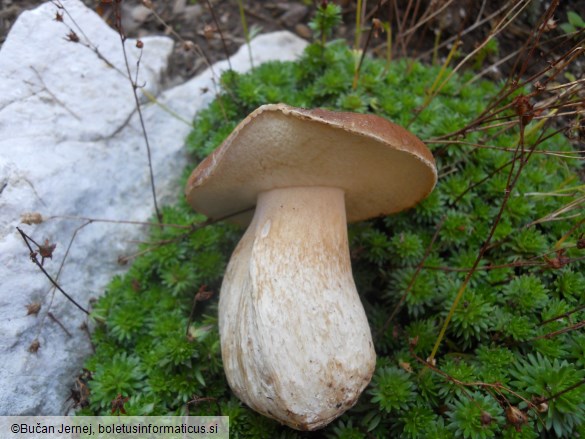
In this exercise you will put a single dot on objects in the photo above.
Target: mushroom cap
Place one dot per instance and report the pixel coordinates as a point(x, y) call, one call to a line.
point(381, 167)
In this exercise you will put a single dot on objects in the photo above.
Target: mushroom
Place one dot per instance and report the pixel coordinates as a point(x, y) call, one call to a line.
point(295, 341)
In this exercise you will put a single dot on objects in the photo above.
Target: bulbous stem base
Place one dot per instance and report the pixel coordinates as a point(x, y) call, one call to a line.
point(295, 340)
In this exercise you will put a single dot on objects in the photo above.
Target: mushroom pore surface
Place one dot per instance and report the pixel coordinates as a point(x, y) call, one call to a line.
point(381, 167)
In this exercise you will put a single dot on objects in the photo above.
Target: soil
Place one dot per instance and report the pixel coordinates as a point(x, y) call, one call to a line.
point(189, 22)
point(220, 33)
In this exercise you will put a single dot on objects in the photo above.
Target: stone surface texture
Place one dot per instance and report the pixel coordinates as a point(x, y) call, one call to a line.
point(71, 145)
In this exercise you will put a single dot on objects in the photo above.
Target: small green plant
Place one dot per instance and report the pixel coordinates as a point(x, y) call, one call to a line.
point(491, 49)
point(511, 360)
point(574, 23)
point(542, 376)
point(328, 16)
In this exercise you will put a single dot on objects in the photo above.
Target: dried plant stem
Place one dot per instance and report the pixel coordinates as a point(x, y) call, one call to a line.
point(462, 384)
point(87, 42)
point(106, 220)
point(246, 32)
point(425, 18)
point(33, 257)
point(574, 327)
point(522, 156)
point(61, 266)
point(563, 238)
point(128, 74)
point(492, 67)
point(402, 24)
point(562, 392)
point(429, 248)
point(470, 29)
point(196, 47)
point(193, 228)
point(435, 88)
point(508, 18)
point(506, 92)
point(188, 45)
point(528, 263)
point(56, 320)
point(358, 25)
point(359, 15)
point(216, 21)
point(135, 86)
point(165, 108)
point(554, 216)
point(388, 49)
point(576, 155)
point(562, 316)
point(535, 41)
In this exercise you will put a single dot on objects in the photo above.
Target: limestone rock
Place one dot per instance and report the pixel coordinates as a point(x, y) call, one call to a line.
point(71, 144)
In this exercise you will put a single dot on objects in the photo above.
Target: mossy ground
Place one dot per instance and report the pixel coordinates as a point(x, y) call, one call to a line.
point(505, 347)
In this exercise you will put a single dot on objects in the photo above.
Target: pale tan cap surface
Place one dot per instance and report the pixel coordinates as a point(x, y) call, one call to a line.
point(382, 168)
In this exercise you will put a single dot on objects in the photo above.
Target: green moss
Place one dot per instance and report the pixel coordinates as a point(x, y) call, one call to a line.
point(497, 334)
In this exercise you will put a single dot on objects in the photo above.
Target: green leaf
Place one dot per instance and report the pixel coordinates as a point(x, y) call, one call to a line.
point(575, 19)
point(199, 377)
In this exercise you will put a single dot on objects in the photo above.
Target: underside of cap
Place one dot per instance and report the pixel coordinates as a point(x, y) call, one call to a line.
point(381, 167)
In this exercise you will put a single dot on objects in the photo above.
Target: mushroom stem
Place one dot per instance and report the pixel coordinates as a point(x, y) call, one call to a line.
point(295, 340)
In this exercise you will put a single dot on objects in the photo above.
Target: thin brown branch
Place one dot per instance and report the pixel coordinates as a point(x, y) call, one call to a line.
point(53, 318)
point(550, 335)
point(522, 155)
point(113, 221)
point(566, 155)
point(134, 86)
point(33, 257)
point(218, 27)
point(193, 228)
point(497, 386)
point(61, 266)
point(429, 248)
point(562, 392)
point(87, 42)
point(562, 316)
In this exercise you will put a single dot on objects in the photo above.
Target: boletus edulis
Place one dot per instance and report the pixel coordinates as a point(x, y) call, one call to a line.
point(295, 341)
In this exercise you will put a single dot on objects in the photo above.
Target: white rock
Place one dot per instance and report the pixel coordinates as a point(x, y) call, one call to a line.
point(70, 144)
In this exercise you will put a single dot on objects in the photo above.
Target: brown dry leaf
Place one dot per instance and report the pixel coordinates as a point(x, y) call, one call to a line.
point(34, 346)
point(406, 366)
point(46, 250)
point(33, 308)
point(30, 218)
